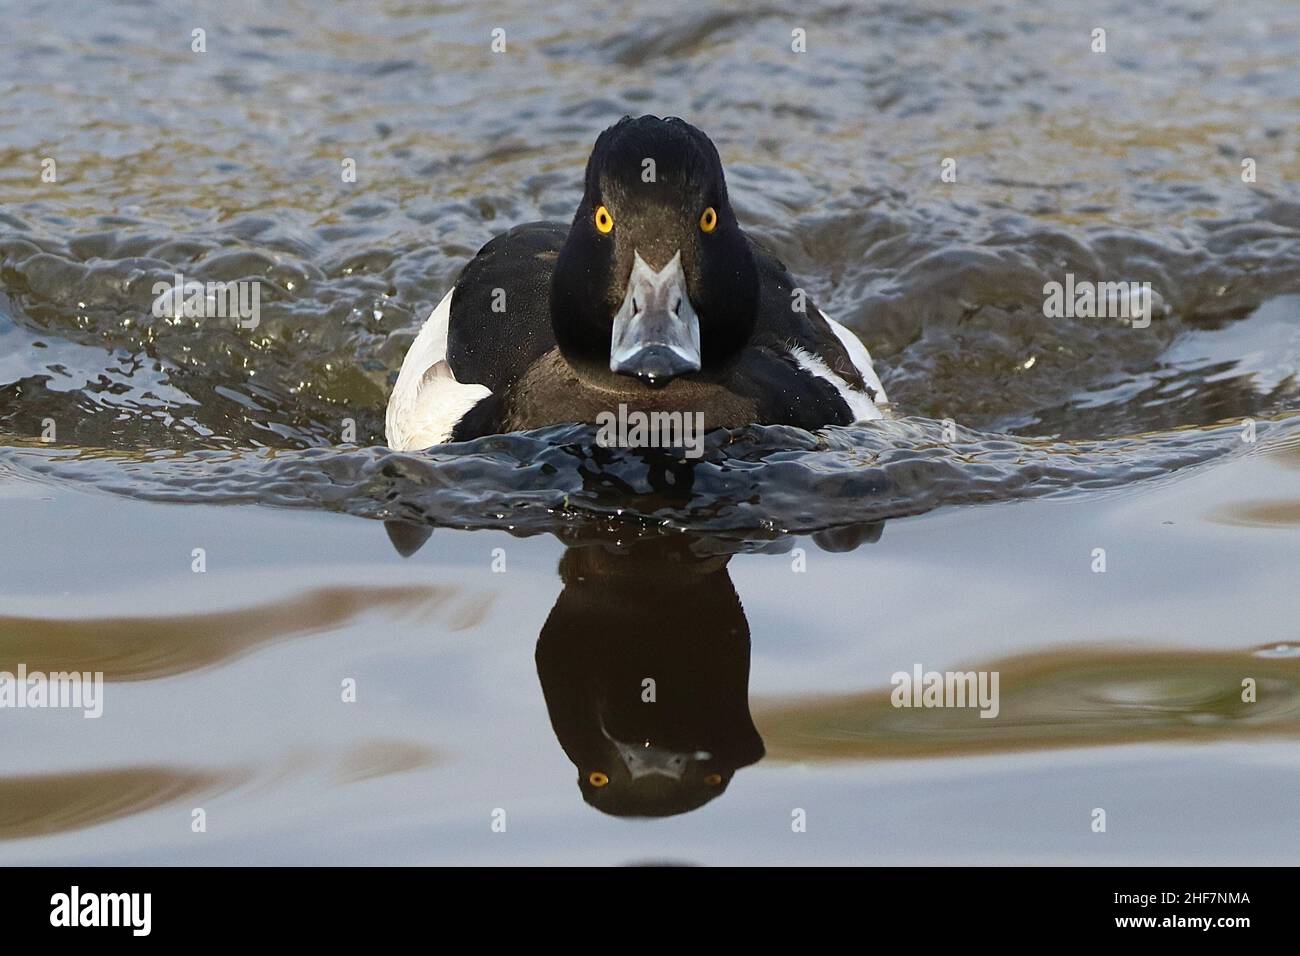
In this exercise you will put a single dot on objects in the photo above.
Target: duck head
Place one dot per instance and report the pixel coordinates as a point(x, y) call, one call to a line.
point(656, 280)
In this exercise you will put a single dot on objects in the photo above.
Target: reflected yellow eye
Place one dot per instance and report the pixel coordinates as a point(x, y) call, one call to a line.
point(598, 779)
point(713, 779)
point(709, 220)
point(604, 222)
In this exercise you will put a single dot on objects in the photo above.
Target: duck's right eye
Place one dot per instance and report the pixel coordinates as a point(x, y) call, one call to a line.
point(596, 778)
point(604, 221)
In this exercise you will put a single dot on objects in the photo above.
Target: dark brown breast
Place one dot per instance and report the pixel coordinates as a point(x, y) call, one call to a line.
point(551, 392)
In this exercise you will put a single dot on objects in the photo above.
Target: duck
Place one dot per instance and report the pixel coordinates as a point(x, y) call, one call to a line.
point(653, 299)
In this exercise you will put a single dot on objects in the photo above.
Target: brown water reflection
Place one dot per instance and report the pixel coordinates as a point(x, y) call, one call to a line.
point(1261, 514)
point(380, 758)
point(57, 802)
point(1085, 697)
point(44, 804)
point(141, 648)
point(1282, 513)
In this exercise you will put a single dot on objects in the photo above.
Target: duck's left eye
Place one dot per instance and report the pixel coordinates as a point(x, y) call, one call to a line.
point(604, 221)
point(709, 220)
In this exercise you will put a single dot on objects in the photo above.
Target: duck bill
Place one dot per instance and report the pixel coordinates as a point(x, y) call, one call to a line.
point(656, 333)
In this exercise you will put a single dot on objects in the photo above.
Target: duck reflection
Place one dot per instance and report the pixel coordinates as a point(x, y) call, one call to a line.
point(644, 663)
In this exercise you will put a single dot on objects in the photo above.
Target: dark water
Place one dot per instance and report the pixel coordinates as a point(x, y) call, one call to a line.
point(770, 589)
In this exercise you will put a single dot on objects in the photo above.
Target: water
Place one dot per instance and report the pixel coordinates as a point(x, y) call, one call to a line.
point(772, 589)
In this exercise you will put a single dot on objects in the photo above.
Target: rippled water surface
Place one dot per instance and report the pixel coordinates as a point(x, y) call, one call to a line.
point(771, 589)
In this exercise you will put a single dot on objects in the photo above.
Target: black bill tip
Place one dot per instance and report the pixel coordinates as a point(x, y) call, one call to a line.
point(656, 365)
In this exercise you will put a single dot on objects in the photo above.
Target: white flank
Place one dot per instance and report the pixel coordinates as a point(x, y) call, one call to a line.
point(427, 401)
point(862, 406)
point(859, 356)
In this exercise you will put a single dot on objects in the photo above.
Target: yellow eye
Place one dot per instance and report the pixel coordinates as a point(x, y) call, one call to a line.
point(598, 779)
point(604, 222)
point(709, 220)
point(713, 779)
